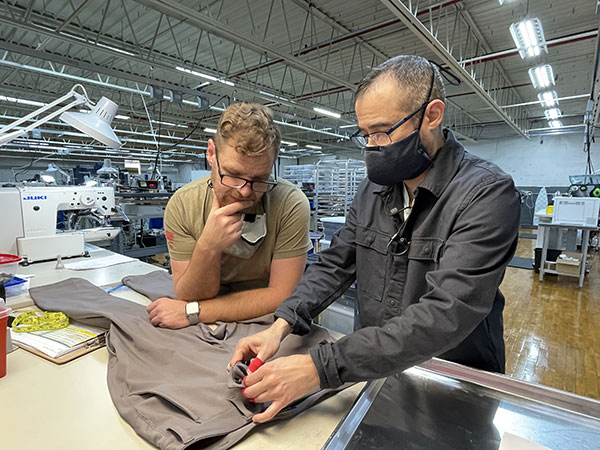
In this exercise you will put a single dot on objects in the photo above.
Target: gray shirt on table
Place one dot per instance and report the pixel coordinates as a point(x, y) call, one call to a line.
point(441, 296)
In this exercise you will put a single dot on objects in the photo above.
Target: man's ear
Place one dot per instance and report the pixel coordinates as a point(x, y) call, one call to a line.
point(210, 153)
point(434, 114)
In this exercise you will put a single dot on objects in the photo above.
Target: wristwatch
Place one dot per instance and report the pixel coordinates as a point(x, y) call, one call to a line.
point(192, 310)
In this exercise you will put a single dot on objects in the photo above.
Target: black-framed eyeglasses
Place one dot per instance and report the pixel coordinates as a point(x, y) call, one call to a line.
point(239, 182)
point(382, 138)
point(398, 245)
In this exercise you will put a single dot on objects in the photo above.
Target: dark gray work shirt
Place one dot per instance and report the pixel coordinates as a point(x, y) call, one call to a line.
point(441, 297)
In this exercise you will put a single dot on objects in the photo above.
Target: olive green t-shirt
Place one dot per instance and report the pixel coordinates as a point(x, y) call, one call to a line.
point(287, 218)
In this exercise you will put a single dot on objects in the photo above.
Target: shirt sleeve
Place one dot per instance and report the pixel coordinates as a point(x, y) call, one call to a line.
point(460, 294)
point(180, 240)
point(324, 281)
point(293, 236)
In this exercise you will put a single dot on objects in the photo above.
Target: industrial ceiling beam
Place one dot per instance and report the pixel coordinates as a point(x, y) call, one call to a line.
point(209, 24)
point(409, 19)
point(158, 62)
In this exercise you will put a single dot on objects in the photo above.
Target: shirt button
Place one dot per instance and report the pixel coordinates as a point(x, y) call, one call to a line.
point(392, 302)
point(427, 250)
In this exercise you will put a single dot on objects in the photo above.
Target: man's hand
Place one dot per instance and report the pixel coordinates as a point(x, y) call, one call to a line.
point(281, 381)
point(262, 345)
point(168, 313)
point(223, 226)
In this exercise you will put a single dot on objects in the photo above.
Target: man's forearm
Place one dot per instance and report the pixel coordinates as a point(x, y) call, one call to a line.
point(241, 305)
point(202, 277)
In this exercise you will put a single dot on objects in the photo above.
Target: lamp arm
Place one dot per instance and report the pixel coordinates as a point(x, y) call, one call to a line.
point(7, 137)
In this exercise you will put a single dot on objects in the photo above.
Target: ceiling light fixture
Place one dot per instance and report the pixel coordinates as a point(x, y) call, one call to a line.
point(548, 99)
point(552, 114)
point(205, 75)
point(541, 76)
point(23, 101)
point(555, 123)
point(327, 112)
point(529, 37)
point(289, 143)
point(274, 96)
point(316, 147)
point(210, 130)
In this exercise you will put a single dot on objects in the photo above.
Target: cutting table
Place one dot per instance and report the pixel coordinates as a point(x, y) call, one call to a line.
point(58, 407)
point(437, 405)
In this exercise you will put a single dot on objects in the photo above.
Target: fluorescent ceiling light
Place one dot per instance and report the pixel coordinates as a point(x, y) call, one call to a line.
point(205, 75)
point(121, 117)
point(170, 124)
point(210, 130)
point(273, 95)
point(541, 76)
point(548, 99)
point(125, 52)
point(289, 143)
point(348, 126)
point(552, 114)
point(316, 147)
point(529, 37)
point(23, 101)
point(555, 123)
point(328, 113)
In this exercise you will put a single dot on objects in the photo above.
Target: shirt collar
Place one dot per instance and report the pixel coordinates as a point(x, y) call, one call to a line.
point(445, 165)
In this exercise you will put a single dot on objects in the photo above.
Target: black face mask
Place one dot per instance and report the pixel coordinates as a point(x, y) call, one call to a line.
point(401, 160)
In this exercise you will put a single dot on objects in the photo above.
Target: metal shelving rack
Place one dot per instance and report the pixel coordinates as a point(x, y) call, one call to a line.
point(298, 174)
point(336, 183)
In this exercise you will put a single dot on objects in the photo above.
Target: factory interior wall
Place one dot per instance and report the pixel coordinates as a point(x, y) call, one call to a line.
point(536, 161)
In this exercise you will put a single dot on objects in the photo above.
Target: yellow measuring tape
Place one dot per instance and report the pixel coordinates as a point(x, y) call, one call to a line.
point(39, 321)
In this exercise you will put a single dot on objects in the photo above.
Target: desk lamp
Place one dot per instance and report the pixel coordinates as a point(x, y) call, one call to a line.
point(95, 123)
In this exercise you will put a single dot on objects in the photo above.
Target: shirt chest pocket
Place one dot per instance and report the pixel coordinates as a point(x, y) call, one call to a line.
point(426, 249)
point(371, 262)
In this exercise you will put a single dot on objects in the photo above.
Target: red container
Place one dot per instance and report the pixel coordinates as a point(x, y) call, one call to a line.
point(8, 266)
point(4, 312)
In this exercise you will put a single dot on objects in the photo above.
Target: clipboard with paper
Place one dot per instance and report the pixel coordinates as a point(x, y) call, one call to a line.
point(61, 345)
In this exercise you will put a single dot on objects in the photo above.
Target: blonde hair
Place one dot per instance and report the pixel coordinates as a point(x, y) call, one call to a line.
point(252, 127)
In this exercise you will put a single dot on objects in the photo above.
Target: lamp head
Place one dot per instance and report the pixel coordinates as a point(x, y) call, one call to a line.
point(97, 122)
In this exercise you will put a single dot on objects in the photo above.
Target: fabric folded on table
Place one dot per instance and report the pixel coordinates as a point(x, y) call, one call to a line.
point(172, 386)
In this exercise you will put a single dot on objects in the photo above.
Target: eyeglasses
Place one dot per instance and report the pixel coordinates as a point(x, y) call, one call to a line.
point(397, 245)
point(239, 182)
point(382, 138)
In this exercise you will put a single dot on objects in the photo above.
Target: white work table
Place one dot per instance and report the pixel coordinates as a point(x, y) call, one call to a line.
point(50, 406)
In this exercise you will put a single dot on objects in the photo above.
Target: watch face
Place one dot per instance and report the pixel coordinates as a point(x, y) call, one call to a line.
point(191, 308)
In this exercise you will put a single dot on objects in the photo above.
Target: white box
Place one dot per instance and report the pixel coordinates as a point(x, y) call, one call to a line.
point(576, 211)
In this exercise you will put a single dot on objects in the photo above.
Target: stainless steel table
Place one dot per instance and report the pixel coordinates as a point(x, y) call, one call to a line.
point(445, 406)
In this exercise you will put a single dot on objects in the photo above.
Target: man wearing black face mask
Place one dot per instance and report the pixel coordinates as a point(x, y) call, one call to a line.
point(427, 239)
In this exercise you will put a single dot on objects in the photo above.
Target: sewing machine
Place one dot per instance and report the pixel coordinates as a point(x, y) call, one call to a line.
point(30, 220)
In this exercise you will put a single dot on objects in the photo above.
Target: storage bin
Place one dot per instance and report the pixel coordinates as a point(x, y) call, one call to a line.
point(568, 263)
